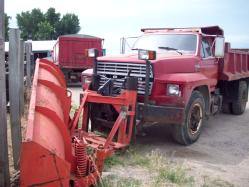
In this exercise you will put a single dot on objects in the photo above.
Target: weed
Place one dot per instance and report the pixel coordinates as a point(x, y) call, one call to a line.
point(112, 161)
point(167, 171)
point(175, 175)
point(116, 181)
point(131, 158)
point(73, 109)
point(135, 159)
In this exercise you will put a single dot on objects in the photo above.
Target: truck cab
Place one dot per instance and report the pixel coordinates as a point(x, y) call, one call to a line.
point(183, 81)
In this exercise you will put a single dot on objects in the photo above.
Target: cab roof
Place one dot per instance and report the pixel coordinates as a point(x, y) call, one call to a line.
point(210, 30)
point(79, 36)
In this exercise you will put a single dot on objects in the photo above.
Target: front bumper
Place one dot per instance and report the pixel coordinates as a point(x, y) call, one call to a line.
point(161, 114)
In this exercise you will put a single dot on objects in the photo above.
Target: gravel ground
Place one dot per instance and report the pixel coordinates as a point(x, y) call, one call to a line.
point(222, 150)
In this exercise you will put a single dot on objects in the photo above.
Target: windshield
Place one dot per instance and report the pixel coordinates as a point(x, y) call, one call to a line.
point(164, 43)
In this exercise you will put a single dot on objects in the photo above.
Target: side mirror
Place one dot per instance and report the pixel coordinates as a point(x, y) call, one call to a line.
point(219, 47)
point(146, 54)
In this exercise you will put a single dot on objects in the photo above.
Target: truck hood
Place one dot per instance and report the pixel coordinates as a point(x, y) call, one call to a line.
point(121, 58)
point(165, 63)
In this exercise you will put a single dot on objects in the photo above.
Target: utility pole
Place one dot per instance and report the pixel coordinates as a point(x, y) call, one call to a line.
point(4, 160)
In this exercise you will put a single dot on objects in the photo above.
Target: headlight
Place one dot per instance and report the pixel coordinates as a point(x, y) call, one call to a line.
point(173, 90)
point(86, 81)
point(146, 54)
point(92, 52)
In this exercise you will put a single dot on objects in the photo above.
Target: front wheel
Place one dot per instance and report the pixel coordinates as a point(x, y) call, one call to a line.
point(189, 132)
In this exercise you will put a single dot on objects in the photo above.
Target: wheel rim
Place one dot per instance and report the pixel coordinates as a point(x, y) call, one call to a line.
point(195, 118)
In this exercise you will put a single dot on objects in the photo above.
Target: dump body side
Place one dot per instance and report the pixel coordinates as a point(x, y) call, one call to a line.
point(70, 52)
point(235, 65)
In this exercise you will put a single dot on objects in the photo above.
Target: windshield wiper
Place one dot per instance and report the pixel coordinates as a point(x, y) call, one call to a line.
point(134, 49)
point(170, 49)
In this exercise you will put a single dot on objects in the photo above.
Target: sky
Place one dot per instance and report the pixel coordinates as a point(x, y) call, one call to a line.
point(113, 19)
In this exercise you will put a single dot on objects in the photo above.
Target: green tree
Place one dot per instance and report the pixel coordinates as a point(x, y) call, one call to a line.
point(6, 21)
point(53, 19)
point(46, 26)
point(24, 24)
point(69, 24)
point(45, 31)
point(28, 23)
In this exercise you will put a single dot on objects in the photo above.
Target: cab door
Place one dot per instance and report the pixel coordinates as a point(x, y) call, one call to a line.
point(209, 64)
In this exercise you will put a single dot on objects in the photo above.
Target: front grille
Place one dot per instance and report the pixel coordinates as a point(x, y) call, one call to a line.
point(118, 72)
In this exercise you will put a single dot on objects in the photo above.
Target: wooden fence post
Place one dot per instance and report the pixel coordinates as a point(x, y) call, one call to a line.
point(14, 92)
point(21, 76)
point(28, 51)
point(4, 159)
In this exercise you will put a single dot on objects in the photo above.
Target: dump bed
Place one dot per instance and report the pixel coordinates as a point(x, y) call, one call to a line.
point(236, 64)
point(70, 51)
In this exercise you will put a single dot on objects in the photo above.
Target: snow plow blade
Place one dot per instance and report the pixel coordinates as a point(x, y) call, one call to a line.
point(46, 150)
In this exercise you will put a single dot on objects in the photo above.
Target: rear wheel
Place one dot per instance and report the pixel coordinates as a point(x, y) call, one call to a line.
point(239, 106)
point(226, 108)
point(189, 132)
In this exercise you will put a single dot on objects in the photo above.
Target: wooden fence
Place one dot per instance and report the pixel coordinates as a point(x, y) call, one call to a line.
point(4, 162)
point(16, 77)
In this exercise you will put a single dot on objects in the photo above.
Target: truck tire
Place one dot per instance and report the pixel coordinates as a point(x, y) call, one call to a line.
point(239, 106)
point(189, 132)
point(226, 108)
point(102, 117)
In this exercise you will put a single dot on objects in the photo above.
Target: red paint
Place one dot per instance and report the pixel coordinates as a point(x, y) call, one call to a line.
point(47, 145)
point(70, 54)
point(236, 64)
point(70, 51)
point(190, 70)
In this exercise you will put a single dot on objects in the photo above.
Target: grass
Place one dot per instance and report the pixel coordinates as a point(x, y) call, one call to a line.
point(113, 161)
point(168, 172)
point(116, 181)
point(161, 170)
point(173, 175)
point(133, 158)
point(74, 107)
point(128, 158)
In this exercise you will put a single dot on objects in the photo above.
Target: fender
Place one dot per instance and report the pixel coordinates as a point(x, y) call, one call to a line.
point(187, 81)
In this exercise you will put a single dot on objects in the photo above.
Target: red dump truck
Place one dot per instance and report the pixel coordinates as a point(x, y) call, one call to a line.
point(69, 53)
point(195, 74)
